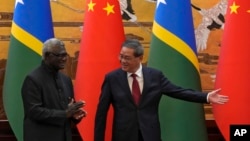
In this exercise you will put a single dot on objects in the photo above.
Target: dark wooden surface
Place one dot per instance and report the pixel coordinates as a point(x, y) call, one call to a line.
point(6, 133)
point(213, 131)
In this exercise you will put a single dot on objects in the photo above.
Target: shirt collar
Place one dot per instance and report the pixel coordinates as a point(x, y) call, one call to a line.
point(138, 72)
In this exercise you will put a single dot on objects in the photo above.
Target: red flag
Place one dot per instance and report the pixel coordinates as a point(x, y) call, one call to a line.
point(233, 72)
point(102, 37)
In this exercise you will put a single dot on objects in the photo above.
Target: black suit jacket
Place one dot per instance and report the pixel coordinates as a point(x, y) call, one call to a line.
point(129, 118)
point(45, 95)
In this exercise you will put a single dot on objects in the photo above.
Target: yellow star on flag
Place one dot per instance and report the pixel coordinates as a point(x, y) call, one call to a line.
point(234, 8)
point(91, 6)
point(109, 8)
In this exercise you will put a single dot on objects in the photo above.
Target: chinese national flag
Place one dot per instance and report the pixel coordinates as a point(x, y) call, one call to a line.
point(233, 73)
point(102, 37)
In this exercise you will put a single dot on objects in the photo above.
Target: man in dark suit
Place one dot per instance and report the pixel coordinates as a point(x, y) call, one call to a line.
point(47, 94)
point(137, 119)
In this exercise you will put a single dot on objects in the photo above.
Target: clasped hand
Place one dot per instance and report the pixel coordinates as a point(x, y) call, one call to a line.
point(75, 110)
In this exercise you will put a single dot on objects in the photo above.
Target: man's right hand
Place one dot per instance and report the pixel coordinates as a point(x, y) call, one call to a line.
point(74, 107)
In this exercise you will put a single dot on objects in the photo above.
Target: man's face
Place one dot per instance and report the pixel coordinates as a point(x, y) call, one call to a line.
point(129, 62)
point(57, 58)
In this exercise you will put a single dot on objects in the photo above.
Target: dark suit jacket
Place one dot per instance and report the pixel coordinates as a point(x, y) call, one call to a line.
point(129, 118)
point(45, 96)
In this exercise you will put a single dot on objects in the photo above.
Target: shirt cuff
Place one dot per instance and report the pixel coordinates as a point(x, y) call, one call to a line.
point(208, 98)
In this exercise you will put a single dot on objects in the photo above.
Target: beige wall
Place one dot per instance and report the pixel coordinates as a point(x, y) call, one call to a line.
point(68, 16)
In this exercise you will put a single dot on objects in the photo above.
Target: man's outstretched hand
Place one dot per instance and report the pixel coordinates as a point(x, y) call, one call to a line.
point(215, 98)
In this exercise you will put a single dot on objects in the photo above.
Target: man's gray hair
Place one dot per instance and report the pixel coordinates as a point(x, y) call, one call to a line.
point(49, 44)
point(134, 44)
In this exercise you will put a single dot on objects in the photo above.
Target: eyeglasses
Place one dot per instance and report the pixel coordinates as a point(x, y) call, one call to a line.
point(59, 55)
point(126, 58)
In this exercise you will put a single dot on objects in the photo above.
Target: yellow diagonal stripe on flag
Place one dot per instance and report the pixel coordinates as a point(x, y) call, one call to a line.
point(26, 38)
point(176, 43)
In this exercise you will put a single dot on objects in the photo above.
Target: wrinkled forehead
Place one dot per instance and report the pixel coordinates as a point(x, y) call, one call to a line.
point(58, 49)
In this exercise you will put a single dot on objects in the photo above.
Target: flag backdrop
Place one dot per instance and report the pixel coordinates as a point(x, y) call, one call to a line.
point(233, 72)
point(31, 26)
point(102, 37)
point(173, 51)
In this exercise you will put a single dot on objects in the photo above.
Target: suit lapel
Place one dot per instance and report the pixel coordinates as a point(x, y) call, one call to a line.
point(122, 77)
point(146, 82)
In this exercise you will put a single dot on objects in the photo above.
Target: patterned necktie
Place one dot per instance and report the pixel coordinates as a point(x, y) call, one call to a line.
point(136, 93)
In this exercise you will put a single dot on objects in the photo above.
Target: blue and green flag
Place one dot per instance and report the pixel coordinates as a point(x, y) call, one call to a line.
point(31, 26)
point(173, 51)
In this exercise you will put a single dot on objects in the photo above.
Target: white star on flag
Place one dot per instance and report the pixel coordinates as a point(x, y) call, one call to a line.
point(161, 1)
point(19, 1)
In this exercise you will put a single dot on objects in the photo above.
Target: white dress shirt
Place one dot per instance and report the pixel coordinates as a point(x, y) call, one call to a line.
point(139, 78)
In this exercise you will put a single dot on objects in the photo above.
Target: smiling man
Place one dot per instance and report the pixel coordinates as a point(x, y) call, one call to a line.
point(48, 98)
point(135, 92)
